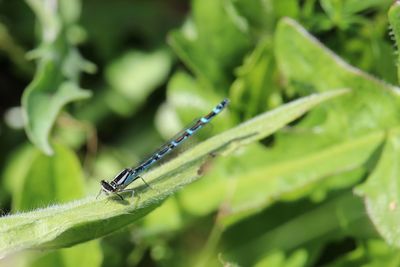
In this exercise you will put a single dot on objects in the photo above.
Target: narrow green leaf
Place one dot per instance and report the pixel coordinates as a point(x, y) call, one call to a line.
point(382, 191)
point(344, 13)
point(217, 33)
point(258, 14)
point(355, 6)
point(75, 222)
point(13, 50)
point(254, 89)
point(394, 19)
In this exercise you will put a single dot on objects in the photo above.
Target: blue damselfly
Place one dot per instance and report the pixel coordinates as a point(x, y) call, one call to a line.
point(128, 175)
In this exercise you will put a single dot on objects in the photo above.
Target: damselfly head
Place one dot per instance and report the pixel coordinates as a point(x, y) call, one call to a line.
point(107, 187)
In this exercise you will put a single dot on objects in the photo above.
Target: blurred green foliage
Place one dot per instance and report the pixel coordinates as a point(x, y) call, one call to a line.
point(322, 190)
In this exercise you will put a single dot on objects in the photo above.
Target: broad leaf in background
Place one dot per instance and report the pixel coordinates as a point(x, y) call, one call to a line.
point(134, 76)
point(171, 217)
point(45, 180)
point(49, 179)
point(13, 176)
point(349, 118)
point(263, 185)
point(382, 191)
point(59, 65)
point(90, 218)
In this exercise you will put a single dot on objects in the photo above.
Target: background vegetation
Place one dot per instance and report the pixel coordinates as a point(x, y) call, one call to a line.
point(90, 87)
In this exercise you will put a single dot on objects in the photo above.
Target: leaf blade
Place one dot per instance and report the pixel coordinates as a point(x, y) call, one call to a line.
point(71, 223)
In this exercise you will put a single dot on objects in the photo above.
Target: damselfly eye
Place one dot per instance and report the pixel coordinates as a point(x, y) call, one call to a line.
point(106, 186)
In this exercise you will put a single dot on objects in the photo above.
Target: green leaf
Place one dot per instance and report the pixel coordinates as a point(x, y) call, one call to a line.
point(219, 183)
point(17, 167)
point(286, 8)
point(181, 88)
point(347, 7)
point(41, 180)
point(59, 66)
point(343, 13)
point(373, 253)
point(212, 43)
point(254, 90)
point(304, 60)
point(185, 93)
point(346, 133)
point(279, 259)
point(41, 107)
point(88, 254)
point(343, 215)
point(64, 225)
point(166, 218)
point(371, 111)
point(374, 105)
point(261, 186)
point(13, 50)
point(135, 75)
point(50, 179)
point(381, 191)
point(258, 14)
